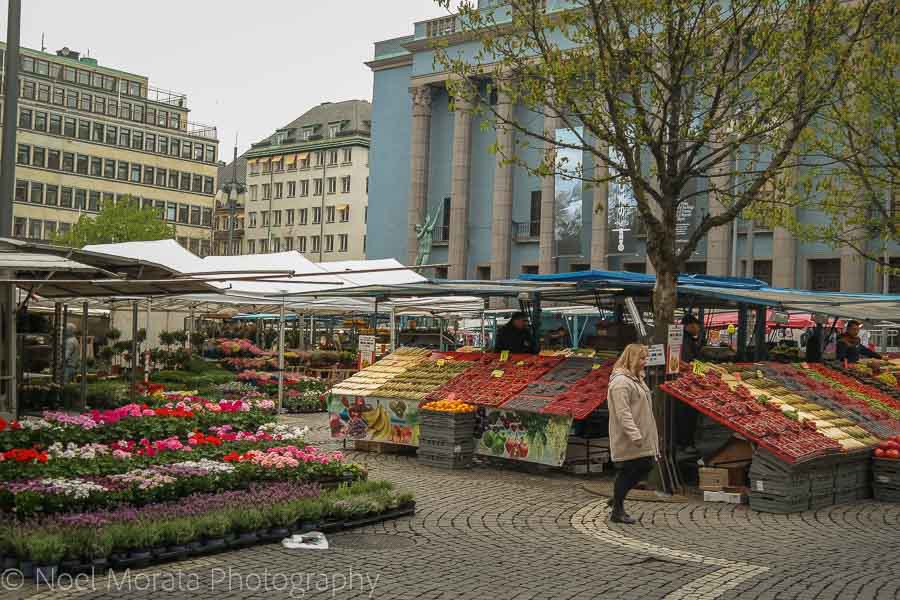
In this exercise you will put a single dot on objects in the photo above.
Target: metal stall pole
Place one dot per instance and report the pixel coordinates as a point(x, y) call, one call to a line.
point(760, 351)
point(190, 329)
point(62, 337)
point(393, 329)
point(84, 330)
point(57, 342)
point(741, 332)
point(134, 347)
point(536, 320)
point(312, 332)
point(281, 357)
point(483, 331)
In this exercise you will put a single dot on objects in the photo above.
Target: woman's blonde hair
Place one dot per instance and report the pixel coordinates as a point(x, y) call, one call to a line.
point(630, 359)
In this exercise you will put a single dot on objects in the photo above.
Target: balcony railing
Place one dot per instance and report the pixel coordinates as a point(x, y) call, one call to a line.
point(222, 235)
point(529, 231)
point(440, 27)
point(204, 131)
point(442, 235)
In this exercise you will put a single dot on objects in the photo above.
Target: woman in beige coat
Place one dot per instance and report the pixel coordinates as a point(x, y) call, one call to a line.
point(633, 438)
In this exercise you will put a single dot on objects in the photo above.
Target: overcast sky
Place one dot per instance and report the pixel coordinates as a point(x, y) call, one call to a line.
point(246, 67)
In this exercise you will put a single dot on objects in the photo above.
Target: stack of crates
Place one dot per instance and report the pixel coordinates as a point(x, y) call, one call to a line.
point(446, 440)
point(851, 477)
point(780, 487)
point(886, 479)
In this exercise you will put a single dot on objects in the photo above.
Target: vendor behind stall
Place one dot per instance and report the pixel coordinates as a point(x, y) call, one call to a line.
point(515, 336)
point(687, 417)
point(850, 348)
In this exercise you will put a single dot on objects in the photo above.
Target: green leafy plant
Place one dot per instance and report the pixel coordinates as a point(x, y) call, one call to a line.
point(123, 221)
point(46, 548)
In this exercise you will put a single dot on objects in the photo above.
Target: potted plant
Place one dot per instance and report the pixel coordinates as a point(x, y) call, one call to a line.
point(105, 354)
point(282, 518)
point(197, 340)
point(8, 558)
point(99, 551)
point(213, 528)
point(246, 523)
point(45, 551)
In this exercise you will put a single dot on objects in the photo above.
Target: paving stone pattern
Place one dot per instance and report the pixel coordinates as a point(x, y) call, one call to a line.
point(513, 535)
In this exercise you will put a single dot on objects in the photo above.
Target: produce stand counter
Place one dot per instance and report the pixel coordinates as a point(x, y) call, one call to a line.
point(526, 404)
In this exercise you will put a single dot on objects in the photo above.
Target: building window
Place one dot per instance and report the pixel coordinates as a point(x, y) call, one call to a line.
point(276, 218)
point(329, 214)
point(84, 130)
point(483, 273)
point(81, 199)
point(443, 272)
point(149, 175)
point(266, 191)
point(316, 241)
point(317, 187)
point(320, 159)
point(99, 105)
point(251, 246)
point(68, 162)
point(332, 185)
point(137, 140)
point(254, 191)
point(302, 217)
point(762, 270)
point(825, 275)
point(277, 165)
point(69, 127)
point(364, 244)
point(82, 165)
point(37, 192)
point(304, 188)
point(112, 135)
point(163, 145)
point(59, 96)
point(49, 230)
point(334, 129)
point(252, 221)
point(345, 185)
point(317, 215)
point(40, 121)
point(53, 159)
point(150, 143)
point(109, 168)
point(121, 173)
point(161, 177)
point(210, 156)
point(289, 217)
point(186, 148)
point(634, 267)
point(264, 217)
point(301, 244)
point(266, 166)
point(209, 185)
point(98, 133)
point(171, 212)
point(306, 133)
point(198, 152)
point(173, 179)
point(52, 197)
point(125, 138)
point(254, 167)
point(195, 215)
point(28, 90)
point(288, 244)
point(197, 183)
point(21, 191)
point(38, 156)
point(329, 243)
point(183, 212)
point(25, 118)
point(94, 201)
point(276, 244)
point(185, 182)
point(263, 246)
point(526, 270)
point(304, 161)
point(343, 242)
point(279, 190)
point(175, 147)
point(19, 225)
point(23, 156)
point(65, 199)
point(344, 213)
point(35, 227)
point(87, 102)
point(291, 189)
point(348, 155)
point(332, 157)
point(44, 93)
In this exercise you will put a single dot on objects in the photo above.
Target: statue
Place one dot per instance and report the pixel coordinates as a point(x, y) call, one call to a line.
point(425, 235)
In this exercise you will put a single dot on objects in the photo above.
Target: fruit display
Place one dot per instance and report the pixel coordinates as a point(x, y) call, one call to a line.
point(584, 396)
point(881, 375)
point(423, 378)
point(889, 449)
point(369, 380)
point(848, 382)
point(781, 432)
point(448, 406)
point(492, 381)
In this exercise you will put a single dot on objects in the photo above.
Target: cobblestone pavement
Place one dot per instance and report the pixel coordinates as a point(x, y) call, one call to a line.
point(510, 535)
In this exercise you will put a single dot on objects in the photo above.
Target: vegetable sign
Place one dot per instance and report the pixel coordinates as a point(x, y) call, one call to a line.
point(523, 436)
point(676, 338)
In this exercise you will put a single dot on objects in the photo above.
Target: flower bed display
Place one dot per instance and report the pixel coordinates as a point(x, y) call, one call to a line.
point(144, 482)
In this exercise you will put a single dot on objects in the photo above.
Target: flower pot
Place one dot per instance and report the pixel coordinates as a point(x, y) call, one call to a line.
point(246, 539)
point(194, 548)
point(177, 552)
point(278, 533)
point(117, 559)
point(27, 568)
point(138, 558)
point(332, 526)
point(45, 574)
point(230, 539)
point(158, 551)
point(214, 545)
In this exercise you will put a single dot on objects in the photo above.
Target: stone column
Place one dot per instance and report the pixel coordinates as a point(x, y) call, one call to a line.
point(546, 261)
point(459, 189)
point(418, 167)
point(784, 259)
point(599, 219)
point(717, 240)
point(501, 209)
point(853, 270)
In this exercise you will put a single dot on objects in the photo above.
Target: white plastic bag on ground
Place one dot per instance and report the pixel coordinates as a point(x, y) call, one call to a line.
point(314, 540)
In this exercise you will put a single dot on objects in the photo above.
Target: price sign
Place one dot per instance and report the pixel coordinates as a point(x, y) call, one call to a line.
point(676, 338)
point(656, 356)
point(596, 366)
point(441, 362)
point(504, 356)
point(366, 350)
point(498, 373)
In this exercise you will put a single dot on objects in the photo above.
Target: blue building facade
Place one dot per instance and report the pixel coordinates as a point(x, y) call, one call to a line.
point(497, 221)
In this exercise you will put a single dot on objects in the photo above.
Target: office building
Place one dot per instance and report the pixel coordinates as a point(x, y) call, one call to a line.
point(89, 134)
point(307, 185)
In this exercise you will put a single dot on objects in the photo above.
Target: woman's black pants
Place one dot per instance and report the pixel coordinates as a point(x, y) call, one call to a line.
point(631, 472)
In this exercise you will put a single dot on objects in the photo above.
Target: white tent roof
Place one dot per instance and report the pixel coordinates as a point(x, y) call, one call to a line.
point(167, 253)
point(383, 277)
point(261, 264)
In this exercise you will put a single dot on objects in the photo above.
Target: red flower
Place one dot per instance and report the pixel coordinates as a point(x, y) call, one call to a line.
point(232, 457)
point(2, 423)
point(15, 426)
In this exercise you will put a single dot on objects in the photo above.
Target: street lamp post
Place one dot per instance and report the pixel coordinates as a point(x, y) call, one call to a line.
point(232, 192)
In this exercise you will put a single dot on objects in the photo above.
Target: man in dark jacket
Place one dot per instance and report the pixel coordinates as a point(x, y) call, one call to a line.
point(686, 417)
point(515, 336)
point(849, 347)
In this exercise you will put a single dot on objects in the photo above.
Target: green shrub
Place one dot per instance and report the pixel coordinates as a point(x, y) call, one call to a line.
point(46, 548)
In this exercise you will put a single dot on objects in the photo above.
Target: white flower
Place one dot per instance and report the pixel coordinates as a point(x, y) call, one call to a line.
point(284, 432)
point(74, 488)
point(205, 464)
point(35, 424)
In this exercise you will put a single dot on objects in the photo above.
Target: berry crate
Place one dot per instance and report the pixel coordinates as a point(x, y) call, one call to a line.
point(798, 486)
point(441, 461)
point(846, 496)
point(445, 447)
point(884, 493)
point(821, 500)
point(886, 472)
point(771, 503)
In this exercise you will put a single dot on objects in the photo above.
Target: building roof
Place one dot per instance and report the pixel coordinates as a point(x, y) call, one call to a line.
point(227, 172)
point(354, 115)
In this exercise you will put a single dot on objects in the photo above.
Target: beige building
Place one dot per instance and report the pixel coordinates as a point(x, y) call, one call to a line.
point(88, 134)
point(308, 185)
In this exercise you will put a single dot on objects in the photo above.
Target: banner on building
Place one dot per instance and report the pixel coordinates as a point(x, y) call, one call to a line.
point(568, 205)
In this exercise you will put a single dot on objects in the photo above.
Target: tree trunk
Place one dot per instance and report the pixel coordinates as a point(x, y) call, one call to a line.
point(665, 300)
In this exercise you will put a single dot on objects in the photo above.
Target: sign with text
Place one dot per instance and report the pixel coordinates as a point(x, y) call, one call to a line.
point(656, 355)
point(366, 350)
point(676, 338)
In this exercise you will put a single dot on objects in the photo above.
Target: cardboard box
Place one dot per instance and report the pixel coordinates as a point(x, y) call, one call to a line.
point(728, 497)
point(715, 479)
